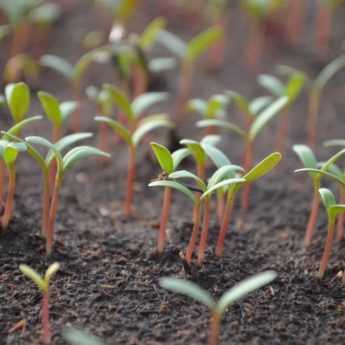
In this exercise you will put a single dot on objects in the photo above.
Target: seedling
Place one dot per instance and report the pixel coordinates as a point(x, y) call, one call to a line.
point(333, 211)
point(75, 73)
point(168, 162)
point(189, 53)
point(311, 166)
point(64, 164)
point(75, 336)
point(323, 23)
point(57, 113)
point(217, 308)
point(258, 115)
point(292, 89)
point(259, 170)
point(136, 130)
point(315, 94)
point(19, 67)
point(213, 108)
point(43, 284)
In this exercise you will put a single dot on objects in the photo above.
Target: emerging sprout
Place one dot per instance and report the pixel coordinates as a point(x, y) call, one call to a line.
point(64, 163)
point(136, 131)
point(189, 53)
point(310, 163)
point(57, 113)
point(168, 163)
point(315, 93)
point(43, 284)
point(258, 115)
point(75, 336)
point(218, 308)
point(333, 211)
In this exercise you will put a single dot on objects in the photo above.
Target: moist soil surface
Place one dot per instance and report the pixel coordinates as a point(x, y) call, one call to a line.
point(108, 283)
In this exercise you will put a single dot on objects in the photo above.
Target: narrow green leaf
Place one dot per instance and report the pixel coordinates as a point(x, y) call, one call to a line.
point(51, 271)
point(176, 45)
point(18, 100)
point(272, 84)
point(333, 159)
point(263, 167)
point(241, 102)
point(147, 100)
point(163, 157)
point(218, 158)
point(295, 86)
point(119, 129)
point(197, 105)
point(225, 172)
point(221, 124)
point(317, 172)
point(184, 174)
point(178, 156)
point(67, 108)
point(306, 155)
point(174, 185)
point(160, 65)
point(336, 210)
point(150, 34)
point(189, 289)
point(258, 104)
point(80, 152)
point(266, 115)
point(195, 149)
point(228, 183)
point(51, 107)
point(58, 64)
point(244, 288)
point(335, 142)
point(216, 106)
point(77, 337)
point(199, 44)
point(34, 276)
point(17, 128)
point(327, 197)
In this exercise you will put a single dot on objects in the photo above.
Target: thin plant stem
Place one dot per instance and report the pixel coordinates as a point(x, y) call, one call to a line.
point(45, 204)
point(254, 46)
point(204, 232)
point(328, 247)
point(323, 28)
point(341, 217)
point(215, 320)
point(76, 118)
point(295, 21)
point(46, 332)
point(164, 220)
point(140, 81)
point(247, 163)
point(314, 105)
point(225, 222)
point(56, 133)
point(220, 206)
point(282, 132)
point(195, 233)
point(2, 177)
point(7, 216)
point(217, 50)
point(130, 181)
point(315, 205)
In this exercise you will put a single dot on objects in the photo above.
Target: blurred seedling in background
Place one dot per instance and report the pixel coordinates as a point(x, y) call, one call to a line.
point(258, 113)
point(189, 53)
point(19, 67)
point(316, 171)
point(137, 128)
point(75, 336)
point(291, 89)
point(217, 308)
point(333, 211)
point(295, 21)
point(43, 284)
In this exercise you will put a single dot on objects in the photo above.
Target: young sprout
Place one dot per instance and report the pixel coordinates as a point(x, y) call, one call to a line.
point(168, 163)
point(57, 113)
point(333, 211)
point(213, 108)
point(43, 284)
point(64, 163)
point(315, 93)
point(292, 89)
point(217, 308)
point(258, 115)
point(75, 336)
point(259, 170)
point(189, 54)
point(311, 166)
point(135, 132)
point(75, 73)
point(323, 24)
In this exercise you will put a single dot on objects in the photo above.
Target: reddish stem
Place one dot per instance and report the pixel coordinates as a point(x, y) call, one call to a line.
point(45, 204)
point(7, 216)
point(225, 223)
point(328, 248)
point(164, 220)
point(254, 47)
point(76, 118)
point(314, 105)
point(2, 176)
point(56, 133)
point(20, 39)
point(130, 181)
point(341, 217)
point(220, 206)
point(315, 205)
point(247, 163)
point(294, 22)
point(323, 29)
point(204, 232)
point(282, 132)
point(140, 80)
point(103, 143)
point(46, 332)
point(215, 320)
point(195, 232)
point(217, 50)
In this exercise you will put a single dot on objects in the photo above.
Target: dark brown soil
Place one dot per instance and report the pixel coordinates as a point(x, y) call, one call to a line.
point(108, 282)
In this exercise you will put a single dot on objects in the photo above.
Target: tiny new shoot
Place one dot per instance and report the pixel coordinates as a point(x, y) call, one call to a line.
point(43, 284)
point(218, 308)
point(333, 211)
point(75, 336)
point(135, 132)
point(64, 163)
point(168, 163)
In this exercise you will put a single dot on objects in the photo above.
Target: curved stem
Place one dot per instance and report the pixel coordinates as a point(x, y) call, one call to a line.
point(328, 247)
point(215, 320)
point(225, 222)
point(7, 216)
point(204, 232)
point(315, 205)
point(46, 332)
point(195, 233)
point(164, 220)
point(130, 180)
